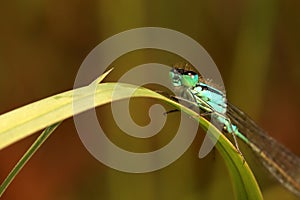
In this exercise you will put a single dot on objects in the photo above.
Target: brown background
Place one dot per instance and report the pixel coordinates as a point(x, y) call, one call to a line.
point(255, 44)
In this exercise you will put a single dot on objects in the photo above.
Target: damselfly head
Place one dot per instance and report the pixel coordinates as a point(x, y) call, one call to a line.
point(176, 77)
point(186, 73)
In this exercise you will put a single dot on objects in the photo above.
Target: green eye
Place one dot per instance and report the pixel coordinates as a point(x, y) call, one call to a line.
point(190, 78)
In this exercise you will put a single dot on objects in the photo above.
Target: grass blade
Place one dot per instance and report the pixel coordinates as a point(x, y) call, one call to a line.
point(34, 147)
point(26, 120)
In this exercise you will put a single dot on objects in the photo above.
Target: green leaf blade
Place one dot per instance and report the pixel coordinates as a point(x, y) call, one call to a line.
point(26, 120)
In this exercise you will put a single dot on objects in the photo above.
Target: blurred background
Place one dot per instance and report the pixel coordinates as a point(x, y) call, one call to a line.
point(255, 44)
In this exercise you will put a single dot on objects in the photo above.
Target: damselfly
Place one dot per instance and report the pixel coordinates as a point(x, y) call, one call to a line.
point(281, 162)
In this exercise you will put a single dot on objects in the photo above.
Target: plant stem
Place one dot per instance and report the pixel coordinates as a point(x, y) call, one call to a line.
point(21, 163)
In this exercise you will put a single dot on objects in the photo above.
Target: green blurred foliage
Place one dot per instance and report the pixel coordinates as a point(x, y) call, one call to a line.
point(255, 44)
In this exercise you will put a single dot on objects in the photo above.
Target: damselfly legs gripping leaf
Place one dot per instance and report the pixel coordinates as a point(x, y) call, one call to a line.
point(282, 163)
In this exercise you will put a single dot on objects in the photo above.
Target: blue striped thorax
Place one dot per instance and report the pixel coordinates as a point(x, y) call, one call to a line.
point(214, 97)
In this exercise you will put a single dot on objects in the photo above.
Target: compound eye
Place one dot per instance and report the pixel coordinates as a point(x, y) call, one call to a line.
point(180, 71)
point(190, 73)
